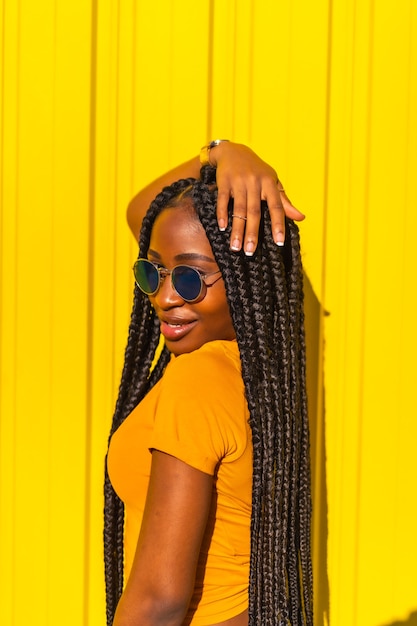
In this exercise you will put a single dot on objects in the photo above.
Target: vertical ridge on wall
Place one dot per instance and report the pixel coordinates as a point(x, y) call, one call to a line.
point(319, 452)
point(210, 53)
point(89, 401)
point(366, 20)
point(7, 316)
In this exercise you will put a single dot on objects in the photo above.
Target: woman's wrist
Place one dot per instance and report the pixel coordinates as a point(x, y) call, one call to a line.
point(230, 154)
point(206, 152)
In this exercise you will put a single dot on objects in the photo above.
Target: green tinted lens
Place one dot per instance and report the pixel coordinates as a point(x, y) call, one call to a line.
point(146, 276)
point(187, 282)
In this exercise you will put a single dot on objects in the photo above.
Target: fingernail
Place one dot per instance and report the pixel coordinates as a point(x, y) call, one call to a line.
point(250, 248)
point(280, 238)
point(222, 224)
point(235, 245)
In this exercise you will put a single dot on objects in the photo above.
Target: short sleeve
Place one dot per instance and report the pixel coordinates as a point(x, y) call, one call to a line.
point(201, 411)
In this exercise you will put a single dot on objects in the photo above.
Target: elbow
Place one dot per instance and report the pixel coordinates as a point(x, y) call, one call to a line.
point(167, 610)
point(156, 609)
point(134, 218)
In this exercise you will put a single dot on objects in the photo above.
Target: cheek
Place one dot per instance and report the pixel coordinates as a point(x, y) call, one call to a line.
point(224, 320)
point(222, 304)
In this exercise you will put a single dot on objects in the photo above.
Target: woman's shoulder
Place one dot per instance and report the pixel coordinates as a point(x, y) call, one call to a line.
point(212, 358)
point(209, 369)
point(201, 410)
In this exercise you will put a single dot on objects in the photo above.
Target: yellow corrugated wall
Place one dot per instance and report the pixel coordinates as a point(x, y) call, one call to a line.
point(98, 98)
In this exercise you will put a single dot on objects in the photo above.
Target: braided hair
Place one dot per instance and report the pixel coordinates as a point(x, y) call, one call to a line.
point(265, 297)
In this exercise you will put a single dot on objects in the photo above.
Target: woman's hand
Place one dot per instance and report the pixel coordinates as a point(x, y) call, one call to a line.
point(241, 175)
point(244, 176)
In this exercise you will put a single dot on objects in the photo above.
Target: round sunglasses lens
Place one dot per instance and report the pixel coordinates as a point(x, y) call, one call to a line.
point(187, 282)
point(147, 276)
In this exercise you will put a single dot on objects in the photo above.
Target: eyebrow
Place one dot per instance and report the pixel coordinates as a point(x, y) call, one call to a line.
point(186, 256)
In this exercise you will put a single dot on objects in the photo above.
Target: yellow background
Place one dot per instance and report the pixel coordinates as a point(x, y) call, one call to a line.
point(97, 99)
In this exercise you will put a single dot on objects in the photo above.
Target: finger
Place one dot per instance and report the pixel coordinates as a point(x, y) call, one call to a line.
point(273, 194)
point(223, 197)
point(277, 214)
point(238, 232)
point(290, 210)
point(238, 219)
point(254, 213)
point(280, 206)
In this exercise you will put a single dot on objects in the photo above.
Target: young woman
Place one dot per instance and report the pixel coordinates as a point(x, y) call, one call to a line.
point(209, 446)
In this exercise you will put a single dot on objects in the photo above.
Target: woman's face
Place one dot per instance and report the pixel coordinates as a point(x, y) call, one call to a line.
point(178, 238)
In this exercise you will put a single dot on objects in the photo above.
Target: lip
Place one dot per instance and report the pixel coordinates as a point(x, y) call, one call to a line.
point(176, 329)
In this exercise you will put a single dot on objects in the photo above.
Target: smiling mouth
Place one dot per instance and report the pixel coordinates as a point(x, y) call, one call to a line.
point(174, 331)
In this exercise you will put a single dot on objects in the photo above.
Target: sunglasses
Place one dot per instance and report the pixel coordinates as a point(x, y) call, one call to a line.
point(188, 282)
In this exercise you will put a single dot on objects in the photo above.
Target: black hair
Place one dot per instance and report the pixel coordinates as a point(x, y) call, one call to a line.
point(265, 297)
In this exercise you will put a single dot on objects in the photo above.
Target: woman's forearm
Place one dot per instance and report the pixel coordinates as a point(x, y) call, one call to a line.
point(141, 201)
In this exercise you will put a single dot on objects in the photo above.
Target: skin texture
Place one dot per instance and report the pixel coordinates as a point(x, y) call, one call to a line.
point(241, 175)
point(161, 582)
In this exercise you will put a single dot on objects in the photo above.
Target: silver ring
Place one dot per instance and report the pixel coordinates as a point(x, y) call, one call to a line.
point(239, 217)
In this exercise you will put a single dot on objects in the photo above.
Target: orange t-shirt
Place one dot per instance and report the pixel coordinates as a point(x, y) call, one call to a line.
point(198, 413)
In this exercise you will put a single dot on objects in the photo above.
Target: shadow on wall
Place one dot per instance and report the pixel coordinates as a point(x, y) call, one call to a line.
point(316, 400)
point(411, 621)
point(316, 403)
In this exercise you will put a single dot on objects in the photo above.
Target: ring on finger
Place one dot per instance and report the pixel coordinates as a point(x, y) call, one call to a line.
point(239, 217)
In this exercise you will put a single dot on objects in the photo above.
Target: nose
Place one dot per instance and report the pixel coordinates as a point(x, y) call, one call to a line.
point(166, 296)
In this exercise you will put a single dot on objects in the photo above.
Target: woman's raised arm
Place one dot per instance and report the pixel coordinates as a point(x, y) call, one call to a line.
point(242, 175)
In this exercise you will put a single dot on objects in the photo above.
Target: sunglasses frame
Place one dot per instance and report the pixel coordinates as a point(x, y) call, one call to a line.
point(163, 272)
